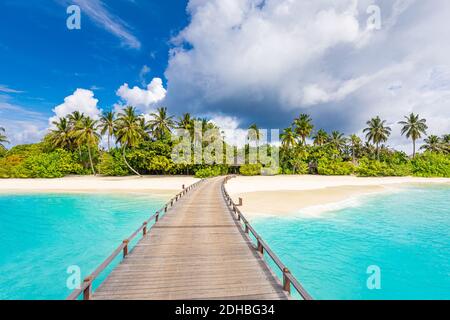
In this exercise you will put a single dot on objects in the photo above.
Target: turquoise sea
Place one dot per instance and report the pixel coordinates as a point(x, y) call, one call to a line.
point(405, 234)
point(43, 234)
point(402, 237)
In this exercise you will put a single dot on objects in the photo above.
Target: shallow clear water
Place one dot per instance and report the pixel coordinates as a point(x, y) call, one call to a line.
point(41, 235)
point(406, 234)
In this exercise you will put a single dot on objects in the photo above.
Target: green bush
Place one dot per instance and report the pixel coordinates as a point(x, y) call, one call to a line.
point(211, 172)
point(56, 164)
point(375, 168)
point(336, 167)
point(112, 165)
point(251, 169)
point(431, 165)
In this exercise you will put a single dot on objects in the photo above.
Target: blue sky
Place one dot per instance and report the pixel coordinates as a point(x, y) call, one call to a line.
point(47, 62)
point(237, 62)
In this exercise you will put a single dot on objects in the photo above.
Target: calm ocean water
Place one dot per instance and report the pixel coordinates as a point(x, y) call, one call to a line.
point(42, 235)
point(405, 234)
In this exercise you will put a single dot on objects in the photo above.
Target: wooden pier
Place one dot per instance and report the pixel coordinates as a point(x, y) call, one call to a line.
point(199, 248)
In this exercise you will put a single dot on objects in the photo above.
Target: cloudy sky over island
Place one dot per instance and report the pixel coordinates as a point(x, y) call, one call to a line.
point(235, 61)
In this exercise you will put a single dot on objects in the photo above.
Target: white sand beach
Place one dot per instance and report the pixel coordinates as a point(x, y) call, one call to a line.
point(157, 185)
point(311, 195)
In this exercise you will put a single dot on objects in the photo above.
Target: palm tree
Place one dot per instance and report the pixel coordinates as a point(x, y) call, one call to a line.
point(446, 142)
point(433, 144)
point(129, 131)
point(86, 133)
point(355, 145)
point(75, 119)
point(61, 136)
point(303, 127)
point(337, 140)
point(255, 133)
point(288, 138)
point(107, 125)
point(377, 132)
point(414, 127)
point(161, 123)
point(3, 138)
point(186, 122)
point(320, 138)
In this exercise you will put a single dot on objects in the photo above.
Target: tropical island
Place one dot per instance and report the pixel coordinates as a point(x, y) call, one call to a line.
point(142, 145)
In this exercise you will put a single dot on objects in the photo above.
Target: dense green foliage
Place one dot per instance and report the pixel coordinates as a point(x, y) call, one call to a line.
point(212, 171)
point(139, 146)
point(251, 169)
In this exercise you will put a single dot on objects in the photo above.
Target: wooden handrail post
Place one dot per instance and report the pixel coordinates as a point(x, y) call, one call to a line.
point(125, 249)
point(183, 187)
point(286, 281)
point(157, 217)
point(260, 247)
point(165, 209)
point(144, 230)
point(246, 228)
point(88, 291)
point(240, 202)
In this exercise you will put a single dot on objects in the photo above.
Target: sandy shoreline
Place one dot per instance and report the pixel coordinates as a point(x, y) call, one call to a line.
point(311, 195)
point(156, 185)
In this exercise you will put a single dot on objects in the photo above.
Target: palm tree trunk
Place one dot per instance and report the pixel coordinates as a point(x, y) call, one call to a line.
point(126, 162)
point(414, 148)
point(109, 138)
point(378, 153)
point(90, 159)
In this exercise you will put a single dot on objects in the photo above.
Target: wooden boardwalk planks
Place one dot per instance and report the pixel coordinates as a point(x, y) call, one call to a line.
point(196, 251)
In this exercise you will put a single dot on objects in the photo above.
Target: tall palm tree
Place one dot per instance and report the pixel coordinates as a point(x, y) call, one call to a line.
point(433, 144)
point(320, 138)
point(446, 142)
point(355, 145)
point(129, 132)
point(377, 132)
point(414, 127)
point(75, 119)
point(161, 123)
point(61, 136)
point(337, 140)
point(288, 138)
point(86, 133)
point(303, 127)
point(186, 122)
point(107, 125)
point(255, 133)
point(3, 138)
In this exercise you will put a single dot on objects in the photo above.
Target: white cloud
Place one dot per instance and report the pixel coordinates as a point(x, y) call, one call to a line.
point(270, 60)
point(144, 99)
point(143, 73)
point(81, 100)
point(22, 124)
point(229, 126)
point(99, 12)
point(6, 89)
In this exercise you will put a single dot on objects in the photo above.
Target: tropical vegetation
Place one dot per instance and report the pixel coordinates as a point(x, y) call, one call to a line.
point(143, 144)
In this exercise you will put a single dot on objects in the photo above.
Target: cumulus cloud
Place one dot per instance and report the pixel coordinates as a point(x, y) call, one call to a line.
point(81, 100)
point(22, 124)
point(144, 99)
point(270, 60)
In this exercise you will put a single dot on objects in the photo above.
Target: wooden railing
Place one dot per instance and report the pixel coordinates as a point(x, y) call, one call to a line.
point(86, 287)
point(261, 247)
